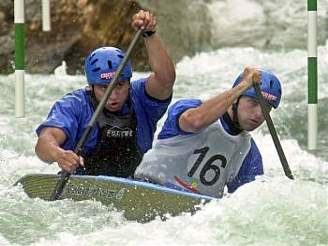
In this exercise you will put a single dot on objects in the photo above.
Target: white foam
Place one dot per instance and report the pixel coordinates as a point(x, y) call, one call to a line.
point(253, 215)
point(61, 70)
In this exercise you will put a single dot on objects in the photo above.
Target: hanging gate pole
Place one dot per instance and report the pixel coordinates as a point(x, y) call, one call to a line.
point(312, 75)
point(19, 57)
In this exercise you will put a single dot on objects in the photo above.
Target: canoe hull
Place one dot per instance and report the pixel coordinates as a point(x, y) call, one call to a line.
point(137, 200)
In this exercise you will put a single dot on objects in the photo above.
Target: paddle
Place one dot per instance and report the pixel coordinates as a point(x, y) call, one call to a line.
point(273, 132)
point(65, 175)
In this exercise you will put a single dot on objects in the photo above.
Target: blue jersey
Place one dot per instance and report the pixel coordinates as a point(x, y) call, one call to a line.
point(73, 112)
point(252, 164)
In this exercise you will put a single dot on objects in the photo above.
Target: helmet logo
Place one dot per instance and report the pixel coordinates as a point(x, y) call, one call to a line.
point(107, 75)
point(269, 97)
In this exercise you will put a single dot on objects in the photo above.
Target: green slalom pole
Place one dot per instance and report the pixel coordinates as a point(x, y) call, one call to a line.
point(19, 57)
point(312, 75)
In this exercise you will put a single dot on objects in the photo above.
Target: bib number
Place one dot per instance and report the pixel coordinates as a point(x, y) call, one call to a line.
point(208, 166)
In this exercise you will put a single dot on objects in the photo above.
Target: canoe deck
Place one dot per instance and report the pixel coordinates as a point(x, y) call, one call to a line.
point(137, 200)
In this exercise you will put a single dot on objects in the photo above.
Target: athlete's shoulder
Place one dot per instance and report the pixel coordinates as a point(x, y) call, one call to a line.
point(254, 149)
point(253, 160)
point(78, 95)
point(75, 99)
point(138, 84)
point(191, 102)
point(182, 105)
point(171, 126)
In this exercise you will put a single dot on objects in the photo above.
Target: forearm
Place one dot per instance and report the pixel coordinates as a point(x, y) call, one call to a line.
point(214, 108)
point(160, 61)
point(195, 119)
point(163, 76)
point(47, 148)
point(160, 82)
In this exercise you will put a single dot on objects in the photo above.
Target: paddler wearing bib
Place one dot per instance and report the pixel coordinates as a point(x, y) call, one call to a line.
point(204, 147)
point(125, 129)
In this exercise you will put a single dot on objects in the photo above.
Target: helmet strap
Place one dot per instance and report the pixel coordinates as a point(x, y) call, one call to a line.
point(93, 95)
point(235, 123)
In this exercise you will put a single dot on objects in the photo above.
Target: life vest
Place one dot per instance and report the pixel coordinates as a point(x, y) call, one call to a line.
point(202, 163)
point(116, 152)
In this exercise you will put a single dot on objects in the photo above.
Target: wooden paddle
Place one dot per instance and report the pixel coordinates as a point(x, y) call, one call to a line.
point(65, 175)
point(273, 132)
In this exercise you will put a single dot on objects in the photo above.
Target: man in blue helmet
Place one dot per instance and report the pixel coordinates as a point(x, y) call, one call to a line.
point(125, 129)
point(205, 146)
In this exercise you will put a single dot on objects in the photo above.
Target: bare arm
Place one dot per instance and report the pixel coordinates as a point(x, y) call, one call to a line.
point(48, 149)
point(195, 119)
point(161, 81)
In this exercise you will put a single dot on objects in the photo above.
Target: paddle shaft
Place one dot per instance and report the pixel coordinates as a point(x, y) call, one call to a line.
point(78, 149)
point(273, 132)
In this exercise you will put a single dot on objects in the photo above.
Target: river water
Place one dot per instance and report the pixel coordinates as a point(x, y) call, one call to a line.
point(273, 210)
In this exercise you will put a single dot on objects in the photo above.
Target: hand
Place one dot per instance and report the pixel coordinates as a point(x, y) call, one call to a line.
point(144, 20)
point(69, 161)
point(252, 76)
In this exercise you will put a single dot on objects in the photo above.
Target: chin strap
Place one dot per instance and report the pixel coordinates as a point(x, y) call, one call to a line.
point(235, 123)
point(93, 95)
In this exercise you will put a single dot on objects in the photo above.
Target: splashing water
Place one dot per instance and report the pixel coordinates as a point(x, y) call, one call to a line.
point(273, 210)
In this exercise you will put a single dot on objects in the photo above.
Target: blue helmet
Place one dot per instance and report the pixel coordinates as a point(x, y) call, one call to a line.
point(270, 87)
point(101, 65)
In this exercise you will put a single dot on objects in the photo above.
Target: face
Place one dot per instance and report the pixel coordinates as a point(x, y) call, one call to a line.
point(118, 97)
point(249, 113)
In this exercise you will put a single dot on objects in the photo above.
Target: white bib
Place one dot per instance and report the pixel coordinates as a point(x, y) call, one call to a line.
point(204, 162)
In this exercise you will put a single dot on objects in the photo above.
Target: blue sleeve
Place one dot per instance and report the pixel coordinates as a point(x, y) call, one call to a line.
point(66, 115)
point(154, 108)
point(251, 167)
point(171, 125)
point(149, 111)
